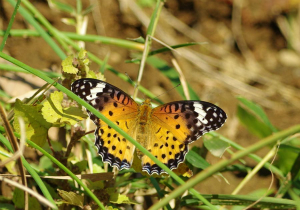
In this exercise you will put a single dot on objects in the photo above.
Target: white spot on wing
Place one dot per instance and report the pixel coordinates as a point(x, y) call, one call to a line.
point(100, 85)
point(201, 112)
point(98, 89)
point(92, 96)
point(203, 120)
point(93, 102)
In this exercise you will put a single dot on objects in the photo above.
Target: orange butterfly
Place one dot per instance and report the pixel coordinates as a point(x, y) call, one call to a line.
point(165, 131)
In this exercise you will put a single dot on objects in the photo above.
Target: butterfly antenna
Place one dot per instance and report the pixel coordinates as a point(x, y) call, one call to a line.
point(167, 91)
point(132, 82)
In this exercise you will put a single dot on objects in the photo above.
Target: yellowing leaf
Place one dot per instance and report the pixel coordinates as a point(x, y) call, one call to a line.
point(71, 198)
point(53, 111)
point(119, 199)
point(183, 170)
point(36, 126)
point(82, 55)
point(77, 64)
point(68, 67)
point(94, 75)
point(111, 208)
point(9, 166)
point(83, 62)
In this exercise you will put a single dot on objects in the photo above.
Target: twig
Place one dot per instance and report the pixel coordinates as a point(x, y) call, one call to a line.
point(14, 143)
point(28, 190)
point(19, 153)
point(182, 79)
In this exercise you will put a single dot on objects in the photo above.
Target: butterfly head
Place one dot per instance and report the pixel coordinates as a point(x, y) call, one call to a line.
point(147, 102)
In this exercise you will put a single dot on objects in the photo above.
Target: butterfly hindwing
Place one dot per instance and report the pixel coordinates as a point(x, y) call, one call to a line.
point(176, 125)
point(113, 147)
point(166, 147)
point(118, 107)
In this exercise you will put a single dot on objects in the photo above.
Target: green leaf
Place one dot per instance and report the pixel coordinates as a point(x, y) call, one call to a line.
point(140, 39)
point(54, 113)
point(258, 111)
point(6, 206)
point(286, 160)
point(61, 6)
point(254, 125)
point(68, 67)
point(196, 160)
point(45, 163)
point(34, 203)
point(18, 198)
point(35, 125)
point(199, 162)
point(52, 190)
point(82, 165)
point(71, 198)
point(216, 146)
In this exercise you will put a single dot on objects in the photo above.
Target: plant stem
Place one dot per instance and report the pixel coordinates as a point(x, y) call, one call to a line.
point(87, 37)
point(10, 25)
point(148, 42)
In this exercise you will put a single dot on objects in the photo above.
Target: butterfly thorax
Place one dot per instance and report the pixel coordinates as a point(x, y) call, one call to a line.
point(143, 127)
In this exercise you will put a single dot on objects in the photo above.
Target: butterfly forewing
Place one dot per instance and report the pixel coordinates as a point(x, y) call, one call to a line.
point(189, 119)
point(116, 106)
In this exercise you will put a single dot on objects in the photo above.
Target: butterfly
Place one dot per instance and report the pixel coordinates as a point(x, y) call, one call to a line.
point(165, 131)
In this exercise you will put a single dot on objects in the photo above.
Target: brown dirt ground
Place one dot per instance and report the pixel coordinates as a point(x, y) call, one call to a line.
point(267, 64)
